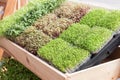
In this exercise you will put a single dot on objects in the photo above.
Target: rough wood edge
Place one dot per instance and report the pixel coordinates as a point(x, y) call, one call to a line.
point(1, 53)
point(4, 1)
point(36, 65)
point(10, 7)
point(18, 4)
point(106, 71)
point(23, 2)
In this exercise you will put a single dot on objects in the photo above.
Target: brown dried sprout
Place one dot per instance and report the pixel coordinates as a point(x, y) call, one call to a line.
point(32, 39)
point(55, 28)
point(71, 10)
point(45, 21)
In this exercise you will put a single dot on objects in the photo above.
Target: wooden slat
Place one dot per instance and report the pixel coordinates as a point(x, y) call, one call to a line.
point(23, 2)
point(10, 7)
point(1, 53)
point(18, 5)
point(4, 1)
point(106, 71)
point(36, 65)
point(1, 11)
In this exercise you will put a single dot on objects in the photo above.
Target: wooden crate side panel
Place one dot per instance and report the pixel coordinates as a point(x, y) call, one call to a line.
point(3, 1)
point(36, 65)
point(1, 53)
point(10, 7)
point(23, 2)
point(106, 71)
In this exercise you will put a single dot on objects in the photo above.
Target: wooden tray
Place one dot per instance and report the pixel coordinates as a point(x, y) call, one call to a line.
point(105, 71)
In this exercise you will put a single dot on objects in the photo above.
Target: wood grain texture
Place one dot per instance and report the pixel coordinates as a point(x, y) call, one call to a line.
point(106, 71)
point(4, 1)
point(23, 2)
point(10, 7)
point(36, 65)
point(1, 53)
point(2, 7)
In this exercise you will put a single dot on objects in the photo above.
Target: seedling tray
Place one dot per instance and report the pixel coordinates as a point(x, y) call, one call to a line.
point(97, 57)
point(47, 72)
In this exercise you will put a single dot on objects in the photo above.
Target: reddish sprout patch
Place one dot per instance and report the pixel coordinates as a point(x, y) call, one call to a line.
point(32, 39)
point(71, 10)
point(45, 21)
point(54, 29)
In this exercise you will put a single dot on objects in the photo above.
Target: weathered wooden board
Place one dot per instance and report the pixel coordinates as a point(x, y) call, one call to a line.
point(105, 71)
point(36, 65)
point(1, 53)
point(10, 7)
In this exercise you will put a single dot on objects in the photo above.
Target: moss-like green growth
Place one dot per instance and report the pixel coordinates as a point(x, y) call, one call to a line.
point(13, 70)
point(62, 55)
point(26, 16)
point(74, 31)
point(71, 10)
point(18, 15)
point(93, 17)
point(110, 20)
point(32, 39)
point(94, 39)
point(55, 28)
point(45, 21)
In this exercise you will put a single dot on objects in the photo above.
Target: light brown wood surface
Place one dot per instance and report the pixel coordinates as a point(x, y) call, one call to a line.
point(105, 71)
point(4, 1)
point(10, 7)
point(36, 65)
point(23, 2)
point(1, 53)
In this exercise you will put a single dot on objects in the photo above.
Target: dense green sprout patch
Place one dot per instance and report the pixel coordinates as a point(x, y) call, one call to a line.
point(93, 17)
point(13, 70)
point(18, 15)
point(71, 10)
point(110, 20)
point(74, 31)
point(55, 28)
point(32, 39)
point(94, 39)
point(19, 21)
point(62, 55)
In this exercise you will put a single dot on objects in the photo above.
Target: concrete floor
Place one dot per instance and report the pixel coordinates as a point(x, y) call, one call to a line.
point(110, 4)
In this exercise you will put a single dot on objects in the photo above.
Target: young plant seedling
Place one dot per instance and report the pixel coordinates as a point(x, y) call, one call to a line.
point(110, 20)
point(32, 39)
point(92, 17)
point(74, 31)
point(62, 55)
point(95, 39)
point(55, 28)
point(71, 10)
point(45, 21)
point(26, 16)
point(13, 70)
